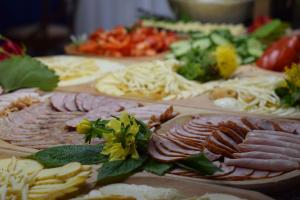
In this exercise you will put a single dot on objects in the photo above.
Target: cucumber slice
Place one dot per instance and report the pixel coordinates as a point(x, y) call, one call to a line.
point(202, 44)
point(254, 47)
point(180, 48)
point(218, 39)
point(248, 60)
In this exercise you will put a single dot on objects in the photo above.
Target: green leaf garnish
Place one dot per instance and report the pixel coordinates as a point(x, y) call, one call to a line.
point(271, 31)
point(120, 169)
point(61, 155)
point(25, 72)
point(156, 167)
point(199, 163)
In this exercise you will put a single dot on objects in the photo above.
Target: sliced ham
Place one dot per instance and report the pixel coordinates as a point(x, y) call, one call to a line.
point(210, 155)
point(80, 99)
point(270, 149)
point(154, 153)
point(57, 101)
point(237, 174)
point(263, 164)
point(259, 174)
point(69, 102)
point(264, 155)
point(271, 142)
point(225, 170)
point(231, 133)
point(279, 133)
point(223, 138)
point(274, 137)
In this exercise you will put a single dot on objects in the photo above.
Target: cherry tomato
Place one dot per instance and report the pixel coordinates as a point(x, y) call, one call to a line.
point(280, 54)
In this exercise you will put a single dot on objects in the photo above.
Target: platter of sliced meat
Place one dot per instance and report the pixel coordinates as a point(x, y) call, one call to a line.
point(31, 120)
point(252, 152)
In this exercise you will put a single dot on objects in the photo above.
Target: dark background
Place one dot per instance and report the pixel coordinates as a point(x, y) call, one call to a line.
point(45, 26)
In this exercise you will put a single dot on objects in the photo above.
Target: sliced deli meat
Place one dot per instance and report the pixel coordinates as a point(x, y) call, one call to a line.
point(246, 147)
point(264, 164)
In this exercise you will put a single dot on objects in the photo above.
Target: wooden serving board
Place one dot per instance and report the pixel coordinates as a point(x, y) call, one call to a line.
point(192, 188)
point(267, 185)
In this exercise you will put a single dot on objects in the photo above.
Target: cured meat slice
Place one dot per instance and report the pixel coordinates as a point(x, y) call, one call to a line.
point(274, 174)
point(210, 155)
point(264, 155)
point(213, 146)
point(80, 99)
point(197, 132)
point(190, 141)
point(180, 131)
point(181, 143)
point(225, 170)
point(231, 133)
point(154, 153)
point(264, 124)
point(57, 101)
point(221, 145)
point(69, 102)
point(128, 104)
point(237, 174)
point(275, 137)
point(269, 149)
point(263, 164)
point(221, 137)
point(279, 133)
point(271, 142)
point(173, 147)
point(88, 103)
point(250, 123)
point(237, 126)
point(99, 101)
point(259, 174)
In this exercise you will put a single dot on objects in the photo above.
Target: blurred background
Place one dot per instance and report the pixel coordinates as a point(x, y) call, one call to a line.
point(45, 26)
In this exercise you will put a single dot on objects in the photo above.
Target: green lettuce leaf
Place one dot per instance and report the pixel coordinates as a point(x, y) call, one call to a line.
point(61, 155)
point(120, 169)
point(157, 168)
point(25, 72)
point(198, 163)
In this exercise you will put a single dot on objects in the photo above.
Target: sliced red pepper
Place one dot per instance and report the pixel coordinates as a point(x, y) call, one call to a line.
point(281, 54)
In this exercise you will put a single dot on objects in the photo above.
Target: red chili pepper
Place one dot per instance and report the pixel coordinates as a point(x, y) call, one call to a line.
point(280, 54)
point(9, 48)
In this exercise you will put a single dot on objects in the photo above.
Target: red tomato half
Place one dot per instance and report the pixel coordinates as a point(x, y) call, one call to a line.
point(280, 54)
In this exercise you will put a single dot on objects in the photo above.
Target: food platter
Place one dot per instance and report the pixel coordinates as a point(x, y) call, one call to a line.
point(267, 185)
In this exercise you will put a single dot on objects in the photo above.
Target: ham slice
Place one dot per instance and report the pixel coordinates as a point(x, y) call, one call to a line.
point(57, 101)
point(271, 142)
point(264, 155)
point(270, 149)
point(80, 99)
point(237, 174)
point(263, 164)
point(279, 133)
point(274, 137)
point(231, 133)
point(69, 102)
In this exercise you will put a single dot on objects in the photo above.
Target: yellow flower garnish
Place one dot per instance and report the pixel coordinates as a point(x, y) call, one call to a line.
point(84, 126)
point(293, 74)
point(226, 60)
point(120, 143)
